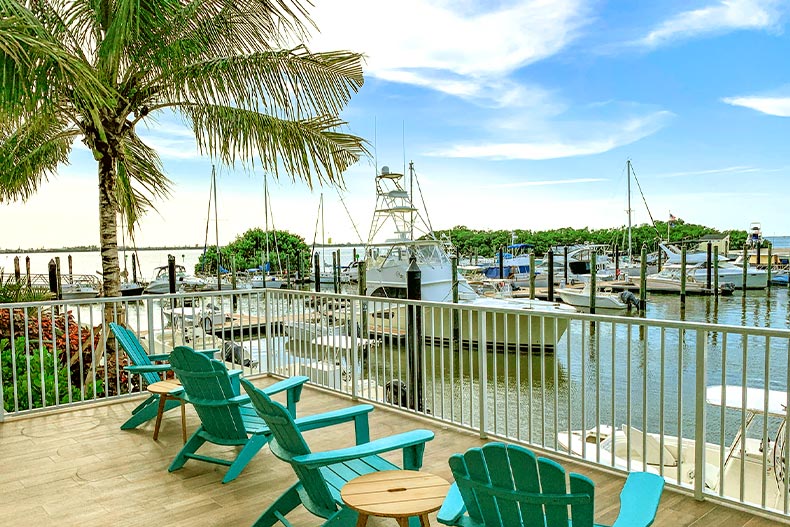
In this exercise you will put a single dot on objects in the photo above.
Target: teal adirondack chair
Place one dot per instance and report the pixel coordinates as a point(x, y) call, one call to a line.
point(502, 485)
point(322, 474)
point(142, 363)
point(226, 417)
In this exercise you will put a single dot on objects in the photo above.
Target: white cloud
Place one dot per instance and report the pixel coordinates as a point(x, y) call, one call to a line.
point(726, 170)
point(549, 182)
point(446, 47)
point(723, 16)
point(602, 138)
point(779, 106)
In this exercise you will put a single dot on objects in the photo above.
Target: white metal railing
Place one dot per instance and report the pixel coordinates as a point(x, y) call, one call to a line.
point(628, 393)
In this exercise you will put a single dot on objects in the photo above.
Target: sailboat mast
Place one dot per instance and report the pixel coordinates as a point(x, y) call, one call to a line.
point(630, 251)
point(216, 224)
point(323, 238)
point(266, 221)
point(411, 200)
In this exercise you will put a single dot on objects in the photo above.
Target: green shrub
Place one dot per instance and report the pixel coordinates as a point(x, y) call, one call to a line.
point(41, 374)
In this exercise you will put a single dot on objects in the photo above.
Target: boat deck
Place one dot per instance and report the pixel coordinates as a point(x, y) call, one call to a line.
point(75, 466)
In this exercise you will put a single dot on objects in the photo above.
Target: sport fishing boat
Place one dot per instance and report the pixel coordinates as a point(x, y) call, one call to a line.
point(758, 463)
point(388, 262)
point(184, 281)
point(697, 267)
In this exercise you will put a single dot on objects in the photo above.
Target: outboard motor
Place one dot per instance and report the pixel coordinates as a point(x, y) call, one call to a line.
point(629, 298)
point(396, 392)
point(236, 354)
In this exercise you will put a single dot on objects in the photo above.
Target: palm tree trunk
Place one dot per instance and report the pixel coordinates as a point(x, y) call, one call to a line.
point(108, 227)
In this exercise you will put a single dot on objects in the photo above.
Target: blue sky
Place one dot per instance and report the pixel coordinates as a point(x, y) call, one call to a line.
point(517, 114)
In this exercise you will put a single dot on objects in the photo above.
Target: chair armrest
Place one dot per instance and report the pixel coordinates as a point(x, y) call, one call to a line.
point(161, 356)
point(452, 507)
point(358, 414)
point(209, 353)
point(293, 385)
point(238, 400)
point(639, 500)
point(406, 440)
point(148, 368)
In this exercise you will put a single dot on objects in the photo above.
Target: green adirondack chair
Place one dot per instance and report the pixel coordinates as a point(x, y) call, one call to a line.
point(142, 363)
point(502, 485)
point(322, 474)
point(226, 417)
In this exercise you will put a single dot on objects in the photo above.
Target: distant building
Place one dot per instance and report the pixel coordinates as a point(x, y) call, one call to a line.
point(722, 241)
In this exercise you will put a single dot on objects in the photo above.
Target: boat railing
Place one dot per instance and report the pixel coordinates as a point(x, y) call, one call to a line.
point(560, 382)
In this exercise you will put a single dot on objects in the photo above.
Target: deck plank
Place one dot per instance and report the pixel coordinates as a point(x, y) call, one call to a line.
point(77, 467)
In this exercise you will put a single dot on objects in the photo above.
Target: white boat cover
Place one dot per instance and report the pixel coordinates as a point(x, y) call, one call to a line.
point(755, 399)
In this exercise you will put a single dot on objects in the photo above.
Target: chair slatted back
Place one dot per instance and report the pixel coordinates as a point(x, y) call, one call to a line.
point(135, 351)
point(287, 443)
point(506, 486)
point(208, 387)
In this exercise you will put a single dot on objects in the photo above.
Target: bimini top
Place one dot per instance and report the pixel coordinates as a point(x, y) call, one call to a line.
point(755, 399)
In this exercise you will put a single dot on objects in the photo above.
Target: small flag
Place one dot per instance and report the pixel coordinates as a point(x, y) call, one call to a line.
point(672, 217)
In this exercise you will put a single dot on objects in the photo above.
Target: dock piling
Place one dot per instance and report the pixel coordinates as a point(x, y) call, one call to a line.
point(17, 273)
point(593, 270)
point(683, 278)
point(414, 325)
point(336, 271)
point(532, 276)
point(770, 261)
point(60, 283)
point(616, 262)
point(550, 256)
point(71, 268)
point(707, 274)
point(501, 263)
point(362, 286)
point(745, 266)
point(565, 264)
point(643, 281)
point(27, 271)
point(53, 278)
point(716, 272)
point(317, 267)
point(171, 273)
point(134, 268)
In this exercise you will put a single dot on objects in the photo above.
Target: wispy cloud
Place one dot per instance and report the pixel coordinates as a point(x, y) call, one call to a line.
point(726, 170)
point(720, 17)
point(605, 137)
point(548, 182)
point(463, 50)
point(779, 106)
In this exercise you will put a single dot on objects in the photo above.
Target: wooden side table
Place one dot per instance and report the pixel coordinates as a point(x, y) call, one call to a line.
point(395, 494)
point(165, 389)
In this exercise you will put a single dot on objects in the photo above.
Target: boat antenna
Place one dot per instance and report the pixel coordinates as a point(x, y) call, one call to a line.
point(266, 220)
point(208, 219)
point(650, 214)
point(339, 195)
point(422, 199)
point(216, 225)
point(630, 251)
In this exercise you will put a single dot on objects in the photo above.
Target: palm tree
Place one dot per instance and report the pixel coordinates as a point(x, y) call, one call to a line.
point(94, 70)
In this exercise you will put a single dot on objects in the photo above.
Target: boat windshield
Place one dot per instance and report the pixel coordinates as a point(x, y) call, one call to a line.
point(429, 253)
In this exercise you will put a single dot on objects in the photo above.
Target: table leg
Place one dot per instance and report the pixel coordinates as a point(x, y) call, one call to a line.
point(403, 521)
point(424, 521)
point(183, 422)
point(362, 519)
point(162, 401)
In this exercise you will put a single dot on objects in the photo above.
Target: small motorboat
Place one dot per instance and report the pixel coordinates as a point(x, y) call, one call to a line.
point(603, 299)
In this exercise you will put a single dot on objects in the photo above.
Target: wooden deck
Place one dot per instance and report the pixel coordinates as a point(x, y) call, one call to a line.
point(76, 467)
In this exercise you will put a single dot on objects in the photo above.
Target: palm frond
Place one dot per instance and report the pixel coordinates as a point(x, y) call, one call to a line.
point(140, 179)
point(30, 154)
point(288, 83)
point(304, 149)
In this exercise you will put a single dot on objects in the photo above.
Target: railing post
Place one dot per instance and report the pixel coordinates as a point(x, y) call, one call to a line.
point(699, 417)
point(268, 326)
point(482, 350)
point(355, 343)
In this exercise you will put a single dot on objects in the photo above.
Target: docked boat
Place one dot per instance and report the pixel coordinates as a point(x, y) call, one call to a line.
point(668, 281)
point(697, 267)
point(79, 288)
point(207, 317)
point(387, 265)
point(184, 282)
point(261, 280)
point(131, 289)
point(674, 458)
point(603, 299)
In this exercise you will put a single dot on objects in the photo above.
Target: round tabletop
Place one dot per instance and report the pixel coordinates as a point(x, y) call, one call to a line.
point(395, 493)
point(164, 387)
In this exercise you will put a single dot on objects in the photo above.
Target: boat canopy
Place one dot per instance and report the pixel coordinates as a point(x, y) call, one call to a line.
point(755, 399)
point(521, 246)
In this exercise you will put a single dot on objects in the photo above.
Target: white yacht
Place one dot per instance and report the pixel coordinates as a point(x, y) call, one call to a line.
point(184, 282)
point(388, 262)
point(697, 267)
point(743, 469)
